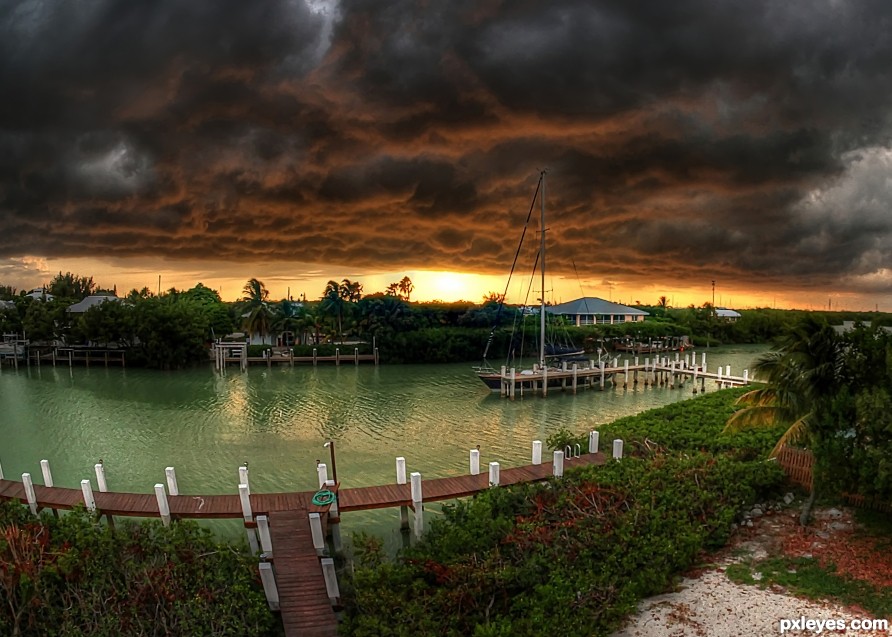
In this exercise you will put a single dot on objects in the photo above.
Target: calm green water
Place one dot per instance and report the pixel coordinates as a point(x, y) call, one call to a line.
point(206, 425)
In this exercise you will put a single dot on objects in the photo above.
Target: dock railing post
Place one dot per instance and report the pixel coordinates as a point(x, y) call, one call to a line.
point(100, 477)
point(416, 489)
point(244, 495)
point(47, 474)
point(322, 473)
point(625, 373)
point(558, 464)
point(400, 470)
point(266, 540)
point(537, 452)
point(29, 492)
point(475, 461)
point(316, 532)
point(575, 374)
point(243, 477)
point(268, 579)
point(513, 388)
point(89, 501)
point(594, 438)
point(331, 580)
point(746, 376)
point(172, 486)
point(163, 505)
point(617, 449)
point(493, 474)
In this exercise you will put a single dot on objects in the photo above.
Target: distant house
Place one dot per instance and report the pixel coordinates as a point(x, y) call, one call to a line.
point(728, 315)
point(40, 294)
point(90, 301)
point(591, 310)
point(848, 326)
point(7, 305)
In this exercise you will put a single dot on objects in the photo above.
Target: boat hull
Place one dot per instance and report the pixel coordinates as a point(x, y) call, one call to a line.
point(555, 378)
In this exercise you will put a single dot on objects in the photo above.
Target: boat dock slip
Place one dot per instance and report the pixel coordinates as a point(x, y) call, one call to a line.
point(298, 577)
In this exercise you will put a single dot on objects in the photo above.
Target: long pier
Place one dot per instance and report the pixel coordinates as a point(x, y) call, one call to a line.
point(298, 579)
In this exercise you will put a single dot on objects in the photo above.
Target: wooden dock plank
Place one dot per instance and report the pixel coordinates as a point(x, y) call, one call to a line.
point(303, 598)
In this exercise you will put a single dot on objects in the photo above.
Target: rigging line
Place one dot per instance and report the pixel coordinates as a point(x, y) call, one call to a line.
point(584, 297)
point(526, 299)
point(513, 266)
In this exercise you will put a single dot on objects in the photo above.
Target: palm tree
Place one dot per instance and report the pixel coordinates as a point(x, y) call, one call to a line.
point(801, 378)
point(406, 287)
point(256, 317)
point(333, 303)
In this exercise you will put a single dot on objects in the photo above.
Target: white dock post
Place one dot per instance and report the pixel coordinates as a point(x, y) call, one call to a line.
point(47, 474)
point(537, 452)
point(29, 492)
point(594, 440)
point(728, 371)
point(746, 376)
point(401, 470)
point(268, 579)
point(475, 462)
point(316, 532)
point(172, 486)
point(163, 506)
point(558, 464)
point(242, 478)
point(100, 477)
point(493, 474)
point(703, 361)
point(575, 372)
point(418, 522)
point(719, 379)
point(503, 384)
point(695, 379)
point(602, 374)
point(416, 488)
point(544, 381)
point(625, 373)
point(89, 501)
point(322, 473)
point(244, 495)
point(266, 540)
point(618, 449)
point(331, 579)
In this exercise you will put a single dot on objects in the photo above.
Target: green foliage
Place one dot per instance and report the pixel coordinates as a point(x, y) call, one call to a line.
point(568, 557)
point(805, 577)
point(73, 577)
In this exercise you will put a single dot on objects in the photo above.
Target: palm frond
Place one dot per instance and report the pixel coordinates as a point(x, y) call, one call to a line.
point(797, 432)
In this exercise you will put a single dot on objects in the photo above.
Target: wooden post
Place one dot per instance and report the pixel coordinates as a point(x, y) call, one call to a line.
point(513, 389)
point(558, 464)
point(243, 478)
point(537, 452)
point(544, 381)
point(316, 532)
point(746, 376)
point(635, 373)
point(617, 449)
point(331, 579)
point(315, 357)
point(376, 357)
point(475, 462)
point(503, 384)
point(401, 470)
point(268, 579)
point(89, 501)
point(625, 373)
point(602, 375)
point(356, 356)
point(47, 474)
point(416, 489)
point(172, 486)
point(575, 372)
point(163, 506)
point(100, 477)
point(29, 492)
point(493, 474)
point(266, 541)
point(594, 439)
point(703, 361)
point(322, 473)
point(337, 356)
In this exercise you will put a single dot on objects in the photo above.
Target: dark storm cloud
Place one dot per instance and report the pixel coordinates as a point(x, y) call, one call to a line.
point(692, 138)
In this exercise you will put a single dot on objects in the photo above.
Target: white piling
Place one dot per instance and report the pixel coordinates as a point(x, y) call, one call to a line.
point(418, 522)
point(242, 479)
point(47, 474)
point(558, 464)
point(172, 486)
point(475, 462)
point(266, 540)
point(29, 492)
point(316, 532)
point(703, 361)
point(268, 579)
point(617, 449)
point(163, 506)
point(331, 579)
point(537, 452)
point(746, 376)
point(100, 477)
point(416, 488)
point(594, 439)
point(728, 371)
point(322, 473)
point(89, 501)
point(493, 474)
point(626, 373)
point(401, 470)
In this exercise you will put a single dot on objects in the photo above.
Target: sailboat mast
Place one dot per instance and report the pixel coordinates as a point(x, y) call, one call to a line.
point(542, 267)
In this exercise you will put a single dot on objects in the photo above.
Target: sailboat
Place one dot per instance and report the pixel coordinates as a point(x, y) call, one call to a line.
point(560, 365)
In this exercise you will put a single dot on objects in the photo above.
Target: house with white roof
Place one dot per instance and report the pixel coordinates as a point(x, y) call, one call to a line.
point(591, 310)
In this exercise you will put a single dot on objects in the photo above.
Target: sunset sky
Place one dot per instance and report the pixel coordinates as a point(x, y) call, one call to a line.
point(746, 143)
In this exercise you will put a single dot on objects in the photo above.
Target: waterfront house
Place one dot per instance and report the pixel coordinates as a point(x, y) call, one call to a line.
point(591, 310)
point(728, 315)
point(91, 301)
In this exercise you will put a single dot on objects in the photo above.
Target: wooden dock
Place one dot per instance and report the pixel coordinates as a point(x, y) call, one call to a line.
point(303, 598)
